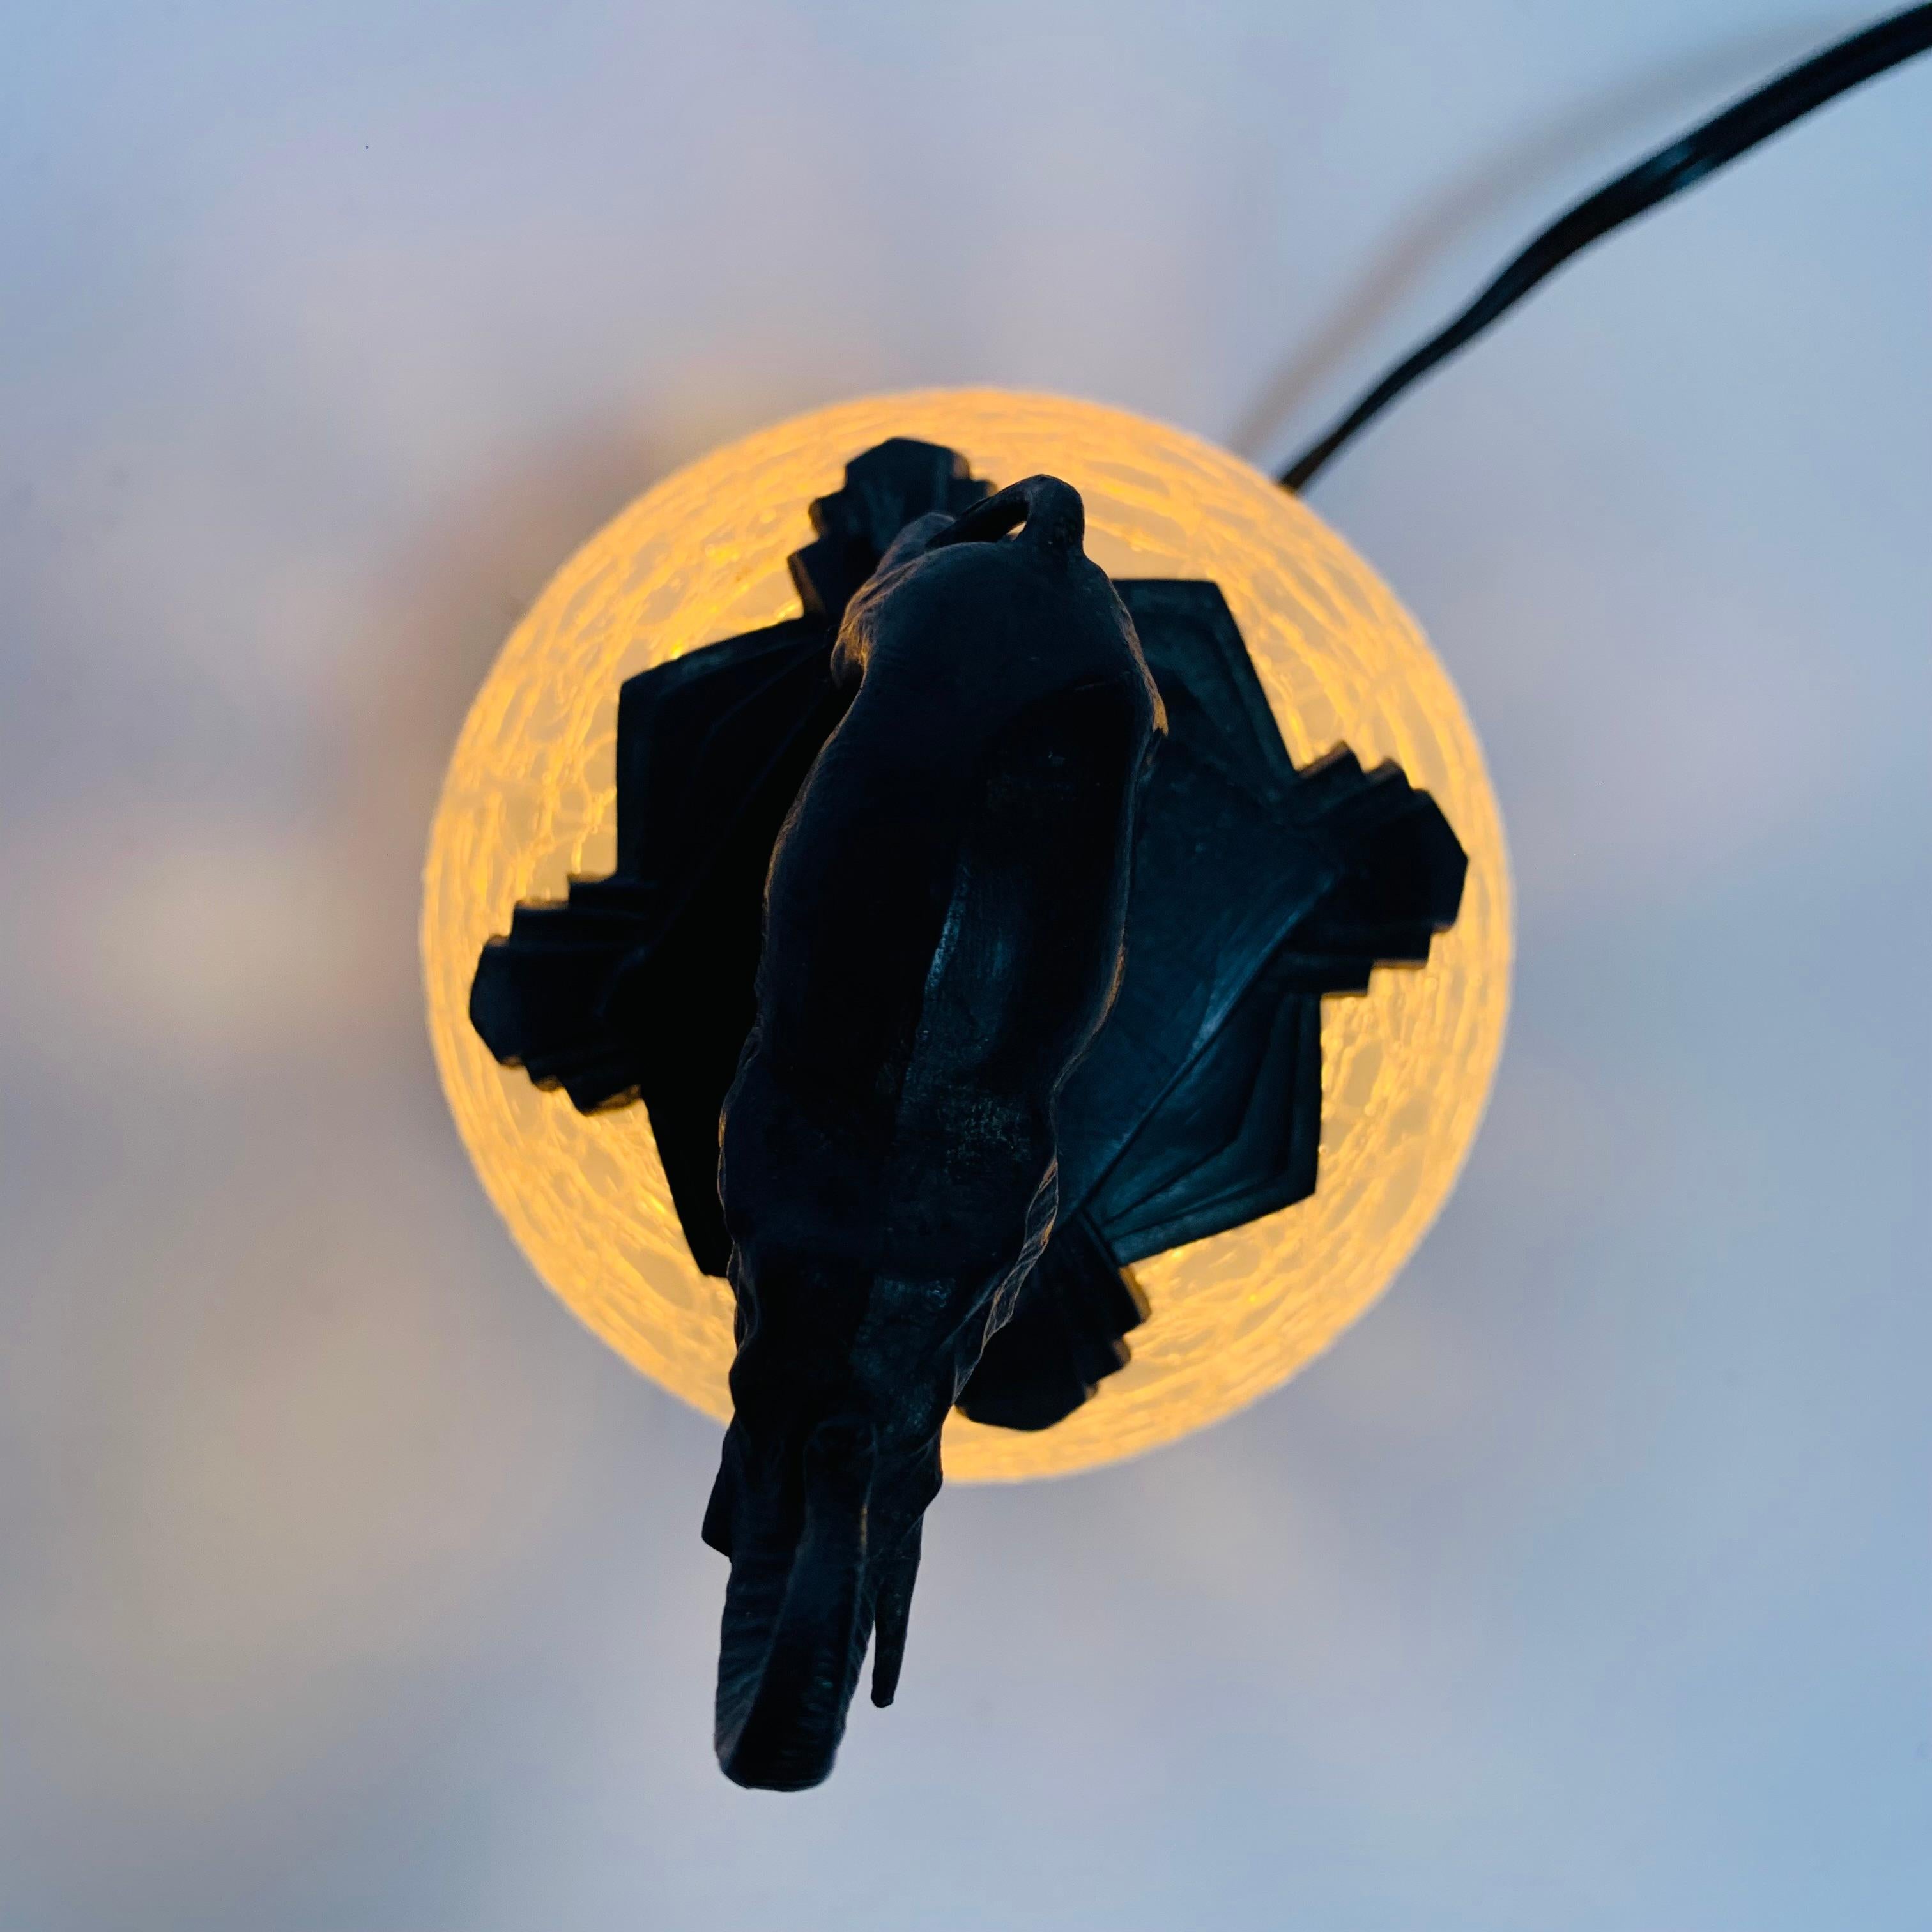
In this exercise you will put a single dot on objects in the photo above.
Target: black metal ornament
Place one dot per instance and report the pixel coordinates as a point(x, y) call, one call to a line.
point(967, 944)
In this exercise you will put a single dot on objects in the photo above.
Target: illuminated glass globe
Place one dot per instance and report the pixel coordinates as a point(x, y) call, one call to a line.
point(529, 800)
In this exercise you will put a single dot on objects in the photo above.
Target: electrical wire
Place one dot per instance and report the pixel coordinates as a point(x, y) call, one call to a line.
point(1685, 162)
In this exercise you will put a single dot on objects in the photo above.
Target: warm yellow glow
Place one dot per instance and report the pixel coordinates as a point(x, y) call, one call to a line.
point(529, 799)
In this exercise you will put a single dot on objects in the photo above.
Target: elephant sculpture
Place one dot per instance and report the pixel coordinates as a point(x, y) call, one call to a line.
point(943, 926)
point(967, 944)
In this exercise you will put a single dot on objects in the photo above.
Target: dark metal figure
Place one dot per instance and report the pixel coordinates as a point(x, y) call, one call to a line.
point(983, 904)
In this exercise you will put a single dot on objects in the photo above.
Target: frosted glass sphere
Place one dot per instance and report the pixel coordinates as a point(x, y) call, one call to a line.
point(530, 800)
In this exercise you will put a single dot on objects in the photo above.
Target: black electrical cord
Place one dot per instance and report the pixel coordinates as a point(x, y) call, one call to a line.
point(1686, 161)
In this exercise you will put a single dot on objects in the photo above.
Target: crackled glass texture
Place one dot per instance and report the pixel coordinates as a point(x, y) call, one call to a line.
point(529, 799)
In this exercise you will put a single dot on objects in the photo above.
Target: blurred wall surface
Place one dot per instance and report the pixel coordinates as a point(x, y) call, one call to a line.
point(348, 1586)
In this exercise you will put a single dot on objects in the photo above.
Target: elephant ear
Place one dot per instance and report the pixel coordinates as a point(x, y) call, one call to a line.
point(1257, 889)
point(640, 986)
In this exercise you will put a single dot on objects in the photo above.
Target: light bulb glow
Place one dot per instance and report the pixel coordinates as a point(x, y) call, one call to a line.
point(529, 799)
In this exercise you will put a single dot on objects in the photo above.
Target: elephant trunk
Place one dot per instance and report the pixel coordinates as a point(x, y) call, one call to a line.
point(795, 1630)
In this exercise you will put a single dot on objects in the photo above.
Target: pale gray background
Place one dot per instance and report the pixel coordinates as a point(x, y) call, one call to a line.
point(348, 1585)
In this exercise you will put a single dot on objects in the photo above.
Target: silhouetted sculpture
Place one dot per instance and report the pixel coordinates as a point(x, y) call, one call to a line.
point(1037, 993)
